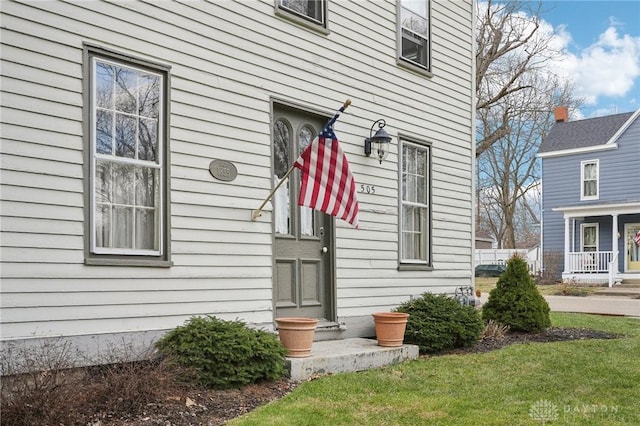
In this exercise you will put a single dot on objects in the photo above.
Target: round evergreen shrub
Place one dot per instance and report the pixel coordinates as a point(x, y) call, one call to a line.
point(438, 322)
point(223, 354)
point(516, 302)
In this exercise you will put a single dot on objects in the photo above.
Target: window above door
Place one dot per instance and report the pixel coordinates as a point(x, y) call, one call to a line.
point(414, 34)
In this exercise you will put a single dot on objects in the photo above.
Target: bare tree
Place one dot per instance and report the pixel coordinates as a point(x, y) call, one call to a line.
point(516, 96)
point(509, 47)
point(508, 171)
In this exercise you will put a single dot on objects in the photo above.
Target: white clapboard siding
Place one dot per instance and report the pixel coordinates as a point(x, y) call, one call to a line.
point(27, 162)
point(70, 271)
point(131, 310)
point(125, 324)
point(28, 119)
point(27, 225)
point(106, 284)
point(38, 180)
point(44, 196)
point(102, 298)
point(16, 133)
point(228, 60)
point(41, 77)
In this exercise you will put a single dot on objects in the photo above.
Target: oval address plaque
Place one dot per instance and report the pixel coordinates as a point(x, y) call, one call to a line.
point(223, 170)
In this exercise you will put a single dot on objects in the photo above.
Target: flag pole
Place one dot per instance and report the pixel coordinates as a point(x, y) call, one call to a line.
point(255, 214)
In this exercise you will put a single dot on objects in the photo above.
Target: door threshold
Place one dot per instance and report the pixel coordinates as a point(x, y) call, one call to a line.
point(325, 325)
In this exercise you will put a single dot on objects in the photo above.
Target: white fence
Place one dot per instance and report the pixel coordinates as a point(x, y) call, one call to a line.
point(501, 256)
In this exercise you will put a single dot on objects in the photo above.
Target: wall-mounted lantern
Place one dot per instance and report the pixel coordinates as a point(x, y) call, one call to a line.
point(379, 143)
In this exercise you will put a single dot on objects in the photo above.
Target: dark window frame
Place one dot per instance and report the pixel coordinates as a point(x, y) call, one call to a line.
point(163, 259)
point(306, 21)
point(405, 263)
point(424, 66)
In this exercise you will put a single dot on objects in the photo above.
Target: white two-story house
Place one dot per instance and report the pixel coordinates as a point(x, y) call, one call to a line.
point(138, 138)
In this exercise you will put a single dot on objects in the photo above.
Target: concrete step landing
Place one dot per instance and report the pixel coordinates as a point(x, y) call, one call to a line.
point(346, 355)
point(630, 283)
point(619, 290)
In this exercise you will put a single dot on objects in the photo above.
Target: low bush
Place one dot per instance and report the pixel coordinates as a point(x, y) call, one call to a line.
point(44, 385)
point(36, 386)
point(516, 302)
point(129, 387)
point(438, 323)
point(224, 354)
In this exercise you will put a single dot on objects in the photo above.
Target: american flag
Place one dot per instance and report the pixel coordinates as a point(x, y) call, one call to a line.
point(637, 238)
point(327, 182)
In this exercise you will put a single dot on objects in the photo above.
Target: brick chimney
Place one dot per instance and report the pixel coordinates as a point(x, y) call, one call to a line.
point(562, 114)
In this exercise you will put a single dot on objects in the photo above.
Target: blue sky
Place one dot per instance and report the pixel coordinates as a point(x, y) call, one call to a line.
point(602, 43)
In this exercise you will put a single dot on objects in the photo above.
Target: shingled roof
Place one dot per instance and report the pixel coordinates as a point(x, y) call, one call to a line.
point(583, 133)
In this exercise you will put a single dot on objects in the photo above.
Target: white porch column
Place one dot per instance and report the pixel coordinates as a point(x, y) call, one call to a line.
point(567, 244)
point(614, 240)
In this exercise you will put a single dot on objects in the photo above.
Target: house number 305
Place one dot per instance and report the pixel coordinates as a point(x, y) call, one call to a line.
point(369, 189)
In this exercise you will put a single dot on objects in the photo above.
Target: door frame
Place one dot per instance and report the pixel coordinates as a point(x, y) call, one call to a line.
point(627, 249)
point(330, 269)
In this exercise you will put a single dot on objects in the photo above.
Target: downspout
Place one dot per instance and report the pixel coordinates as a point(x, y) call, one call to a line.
point(472, 129)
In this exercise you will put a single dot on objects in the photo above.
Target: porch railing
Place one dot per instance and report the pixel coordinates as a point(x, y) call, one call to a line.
point(590, 261)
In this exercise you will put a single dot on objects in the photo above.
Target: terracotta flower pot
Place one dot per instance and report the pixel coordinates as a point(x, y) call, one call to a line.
point(390, 327)
point(296, 334)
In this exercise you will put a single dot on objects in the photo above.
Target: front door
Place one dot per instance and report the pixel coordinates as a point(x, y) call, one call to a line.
point(303, 254)
point(632, 242)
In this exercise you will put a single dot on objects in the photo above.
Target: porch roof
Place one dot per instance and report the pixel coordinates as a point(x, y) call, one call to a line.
point(603, 209)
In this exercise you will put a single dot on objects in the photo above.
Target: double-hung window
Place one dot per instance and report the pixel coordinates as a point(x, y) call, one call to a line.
point(415, 204)
point(312, 13)
point(414, 33)
point(589, 180)
point(127, 181)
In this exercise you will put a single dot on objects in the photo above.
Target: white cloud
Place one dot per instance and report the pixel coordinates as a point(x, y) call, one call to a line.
point(608, 67)
point(560, 39)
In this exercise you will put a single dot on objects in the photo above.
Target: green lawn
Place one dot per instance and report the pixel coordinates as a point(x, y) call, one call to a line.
point(588, 382)
point(485, 285)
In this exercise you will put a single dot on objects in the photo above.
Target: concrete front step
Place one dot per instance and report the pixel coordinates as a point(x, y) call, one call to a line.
point(346, 355)
point(619, 291)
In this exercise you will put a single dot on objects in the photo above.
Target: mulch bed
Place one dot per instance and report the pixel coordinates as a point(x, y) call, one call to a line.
point(204, 407)
point(552, 334)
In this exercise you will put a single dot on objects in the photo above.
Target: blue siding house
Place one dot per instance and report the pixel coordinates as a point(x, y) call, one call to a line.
point(591, 197)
